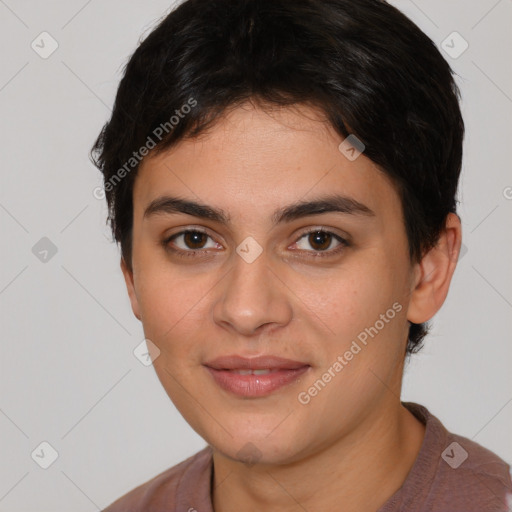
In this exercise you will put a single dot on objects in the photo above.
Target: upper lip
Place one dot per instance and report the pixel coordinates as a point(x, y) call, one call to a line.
point(235, 362)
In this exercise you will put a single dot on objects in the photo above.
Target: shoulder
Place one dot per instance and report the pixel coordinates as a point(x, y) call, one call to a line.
point(161, 491)
point(474, 475)
point(458, 474)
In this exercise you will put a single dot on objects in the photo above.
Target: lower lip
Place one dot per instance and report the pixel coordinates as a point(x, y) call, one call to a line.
point(255, 385)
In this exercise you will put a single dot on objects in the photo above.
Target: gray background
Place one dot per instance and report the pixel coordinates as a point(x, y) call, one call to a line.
point(68, 375)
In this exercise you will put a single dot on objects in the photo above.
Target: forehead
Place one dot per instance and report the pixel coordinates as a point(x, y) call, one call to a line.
point(251, 162)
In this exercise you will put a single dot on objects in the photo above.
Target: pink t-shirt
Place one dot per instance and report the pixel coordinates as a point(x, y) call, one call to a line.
point(451, 474)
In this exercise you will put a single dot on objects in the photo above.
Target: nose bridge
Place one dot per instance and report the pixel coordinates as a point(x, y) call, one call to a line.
point(251, 296)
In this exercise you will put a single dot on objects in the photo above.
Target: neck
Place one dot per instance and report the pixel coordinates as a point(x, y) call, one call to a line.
point(360, 471)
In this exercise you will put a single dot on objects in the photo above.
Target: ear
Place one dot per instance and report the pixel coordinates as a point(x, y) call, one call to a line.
point(128, 278)
point(434, 273)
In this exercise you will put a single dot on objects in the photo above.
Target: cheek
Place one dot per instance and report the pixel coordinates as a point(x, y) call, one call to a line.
point(352, 298)
point(172, 307)
point(365, 312)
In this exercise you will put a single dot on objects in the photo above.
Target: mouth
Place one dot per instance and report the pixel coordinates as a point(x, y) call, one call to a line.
point(254, 377)
point(265, 371)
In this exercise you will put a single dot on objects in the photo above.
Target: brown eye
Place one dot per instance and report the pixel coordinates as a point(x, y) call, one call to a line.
point(194, 239)
point(321, 242)
point(189, 242)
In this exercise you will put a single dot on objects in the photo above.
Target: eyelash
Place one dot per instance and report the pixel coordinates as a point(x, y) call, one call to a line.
point(194, 253)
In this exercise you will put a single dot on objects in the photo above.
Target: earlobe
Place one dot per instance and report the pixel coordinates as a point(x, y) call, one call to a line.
point(128, 278)
point(434, 273)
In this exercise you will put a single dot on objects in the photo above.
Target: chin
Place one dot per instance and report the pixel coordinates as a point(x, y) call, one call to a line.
point(258, 448)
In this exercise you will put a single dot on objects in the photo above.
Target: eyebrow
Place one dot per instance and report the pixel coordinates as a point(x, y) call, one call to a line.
point(168, 205)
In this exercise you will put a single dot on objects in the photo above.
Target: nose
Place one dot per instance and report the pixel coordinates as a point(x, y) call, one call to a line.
point(252, 298)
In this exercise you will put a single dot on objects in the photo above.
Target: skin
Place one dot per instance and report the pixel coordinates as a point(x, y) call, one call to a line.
point(354, 442)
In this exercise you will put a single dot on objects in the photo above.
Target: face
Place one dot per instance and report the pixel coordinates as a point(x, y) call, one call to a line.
point(300, 254)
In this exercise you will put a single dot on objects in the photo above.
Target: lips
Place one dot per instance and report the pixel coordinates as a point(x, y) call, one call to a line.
point(235, 362)
point(248, 371)
point(254, 377)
